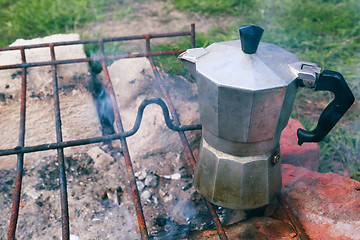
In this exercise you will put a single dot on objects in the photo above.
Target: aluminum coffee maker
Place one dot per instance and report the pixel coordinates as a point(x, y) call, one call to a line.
point(246, 92)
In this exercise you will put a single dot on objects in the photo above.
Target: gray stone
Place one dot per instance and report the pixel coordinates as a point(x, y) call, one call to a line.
point(162, 193)
point(141, 175)
point(176, 176)
point(230, 216)
point(101, 159)
point(169, 198)
point(146, 195)
point(74, 237)
point(140, 185)
point(151, 181)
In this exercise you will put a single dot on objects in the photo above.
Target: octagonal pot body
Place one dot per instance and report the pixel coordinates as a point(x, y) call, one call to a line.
point(237, 182)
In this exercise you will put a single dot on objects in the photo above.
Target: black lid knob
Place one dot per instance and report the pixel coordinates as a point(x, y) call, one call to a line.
point(250, 38)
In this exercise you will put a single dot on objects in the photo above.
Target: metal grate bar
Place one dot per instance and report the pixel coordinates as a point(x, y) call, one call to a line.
point(20, 160)
point(293, 219)
point(88, 59)
point(121, 135)
point(129, 168)
point(60, 152)
point(110, 39)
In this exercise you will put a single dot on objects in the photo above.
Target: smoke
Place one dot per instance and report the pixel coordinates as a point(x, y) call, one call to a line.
point(178, 224)
point(103, 106)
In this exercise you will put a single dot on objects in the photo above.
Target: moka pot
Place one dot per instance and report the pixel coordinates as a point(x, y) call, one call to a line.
point(246, 93)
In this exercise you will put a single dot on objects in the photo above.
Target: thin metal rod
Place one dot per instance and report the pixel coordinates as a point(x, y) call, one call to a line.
point(88, 59)
point(117, 136)
point(130, 171)
point(20, 159)
point(188, 151)
point(293, 219)
point(192, 35)
point(60, 152)
point(110, 39)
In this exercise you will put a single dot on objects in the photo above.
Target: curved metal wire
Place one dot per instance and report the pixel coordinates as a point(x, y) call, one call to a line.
point(132, 131)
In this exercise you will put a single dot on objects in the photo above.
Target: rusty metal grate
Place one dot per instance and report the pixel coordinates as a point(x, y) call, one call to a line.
point(167, 108)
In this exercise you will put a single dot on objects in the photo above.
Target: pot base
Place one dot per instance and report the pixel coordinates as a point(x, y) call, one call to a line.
point(238, 182)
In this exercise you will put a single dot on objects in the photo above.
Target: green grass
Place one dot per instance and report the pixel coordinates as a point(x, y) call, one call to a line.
point(34, 18)
point(215, 7)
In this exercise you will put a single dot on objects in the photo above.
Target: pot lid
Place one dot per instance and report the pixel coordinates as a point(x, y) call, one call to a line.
point(228, 64)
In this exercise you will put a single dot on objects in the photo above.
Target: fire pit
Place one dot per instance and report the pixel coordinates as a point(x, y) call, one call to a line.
point(121, 135)
point(55, 173)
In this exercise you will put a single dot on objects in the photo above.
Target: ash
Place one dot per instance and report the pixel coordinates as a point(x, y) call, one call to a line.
point(91, 214)
point(100, 203)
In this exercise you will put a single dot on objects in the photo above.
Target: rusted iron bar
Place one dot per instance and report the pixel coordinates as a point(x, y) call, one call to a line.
point(185, 142)
point(88, 59)
point(20, 159)
point(130, 171)
point(293, 219)
point(60, 152)
point(217, 223)
point(125, 134)
point(192, 35)
point(110, 39)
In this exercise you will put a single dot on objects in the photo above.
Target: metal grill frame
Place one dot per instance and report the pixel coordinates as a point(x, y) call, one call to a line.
point(121, 135)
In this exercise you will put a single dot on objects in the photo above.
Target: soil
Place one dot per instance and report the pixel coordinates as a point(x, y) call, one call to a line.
point(153, 17)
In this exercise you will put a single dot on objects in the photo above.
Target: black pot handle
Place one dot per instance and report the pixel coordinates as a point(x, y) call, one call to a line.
point(344, 98)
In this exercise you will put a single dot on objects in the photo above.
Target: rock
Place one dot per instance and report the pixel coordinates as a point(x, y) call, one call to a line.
point(176, 176)
point(146, 195)
point(187, 186)
point(141, 175)
point(118, 194)
point(151, 181)
point(326, 204)
point(101, 159)
point(74, 237)
point(230, 216)
point(307, 155)
point(140, 185)
point(168, 198)
point(162, 193)
point(155, 200)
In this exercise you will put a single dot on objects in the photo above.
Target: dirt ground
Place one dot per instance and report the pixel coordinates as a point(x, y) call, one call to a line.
point(153, 17)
